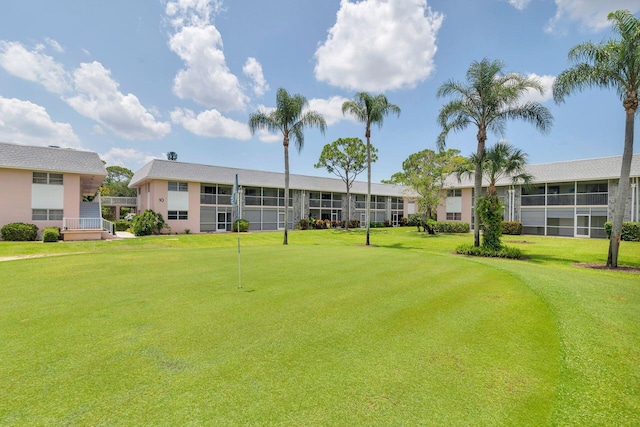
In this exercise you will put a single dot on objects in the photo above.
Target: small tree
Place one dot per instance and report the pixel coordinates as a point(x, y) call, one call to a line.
point(148, 223)
point(425, 172)
point(346, 158)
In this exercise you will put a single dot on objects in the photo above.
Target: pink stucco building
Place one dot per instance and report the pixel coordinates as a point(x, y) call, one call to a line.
point(45, 186)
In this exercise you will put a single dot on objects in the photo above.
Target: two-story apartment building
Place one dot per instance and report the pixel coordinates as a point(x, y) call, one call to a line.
point(198, 197)
point(45, 186)
point(571, 198)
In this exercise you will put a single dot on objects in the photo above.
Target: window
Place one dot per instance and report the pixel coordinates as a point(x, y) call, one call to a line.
point(47, 178)
point(46, 214)
point(178, 186)
point(454, 216)
point(178, 215)
point(454, 193)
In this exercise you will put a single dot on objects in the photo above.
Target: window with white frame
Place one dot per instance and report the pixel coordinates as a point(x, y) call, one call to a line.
point(47, 178)
point(178, 186)
point(178, 215)
point(46, 214)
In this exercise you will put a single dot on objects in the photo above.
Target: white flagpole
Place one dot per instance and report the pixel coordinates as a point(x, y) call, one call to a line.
point(237, 200)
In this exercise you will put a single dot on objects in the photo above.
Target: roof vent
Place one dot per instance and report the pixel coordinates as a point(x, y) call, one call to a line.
point(54, 146)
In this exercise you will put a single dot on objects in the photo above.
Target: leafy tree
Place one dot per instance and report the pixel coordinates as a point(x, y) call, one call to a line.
point(148, 223)
point(290, 117)
point(116, 182)
point(369, 110)
point(486, 100)
point(346, 158)
point(503, 160)
point(425, 172)
point(610, 64)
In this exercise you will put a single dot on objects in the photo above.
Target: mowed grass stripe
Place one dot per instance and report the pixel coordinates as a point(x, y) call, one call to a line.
point(319, 335)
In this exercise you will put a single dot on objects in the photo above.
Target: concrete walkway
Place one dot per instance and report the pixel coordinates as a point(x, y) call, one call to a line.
point(125, 235)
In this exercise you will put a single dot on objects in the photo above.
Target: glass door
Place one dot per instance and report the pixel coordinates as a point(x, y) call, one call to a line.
point(222, 221)
point(583, 225)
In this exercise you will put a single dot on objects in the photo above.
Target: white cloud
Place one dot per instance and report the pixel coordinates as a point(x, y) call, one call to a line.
point(378, 45)
point(210, 123)
point(547, 83)
point(206, 78)
point(331, 109)
point(266, 136)
point(519, 4)
point(253, 70)
point(54, 44)
point(28, 123)
point(99, 98)
point(97, 130)
point(126, 156)
point(33, 66)
point(590, 14)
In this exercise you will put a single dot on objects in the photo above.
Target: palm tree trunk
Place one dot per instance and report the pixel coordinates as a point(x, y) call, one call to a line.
point(477, 187)
point(368, 211)
point(286, 189)
point(620, 207)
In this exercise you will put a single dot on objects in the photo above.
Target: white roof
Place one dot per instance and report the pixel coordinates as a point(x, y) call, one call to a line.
point(192, 172)
point(602, 168)
point(50, 159)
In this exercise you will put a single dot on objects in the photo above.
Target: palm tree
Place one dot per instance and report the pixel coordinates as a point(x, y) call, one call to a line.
point(369, 109)
point(610, 64)
point(487, 99)
point(290, 118)
point(503, 160)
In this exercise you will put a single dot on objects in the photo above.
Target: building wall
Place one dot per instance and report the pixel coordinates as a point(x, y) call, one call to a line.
point(16, 198)
point(154, 195)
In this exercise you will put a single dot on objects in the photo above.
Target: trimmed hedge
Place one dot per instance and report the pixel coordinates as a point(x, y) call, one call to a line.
point(503, 252)
point(451, 227)
point(241, 225)
point(122, 225)
point(511, 227)
point(51, 234)
point(19, 232)
point(630, 231)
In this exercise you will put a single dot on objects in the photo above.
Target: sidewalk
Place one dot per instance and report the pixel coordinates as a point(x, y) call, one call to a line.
point(125, 235)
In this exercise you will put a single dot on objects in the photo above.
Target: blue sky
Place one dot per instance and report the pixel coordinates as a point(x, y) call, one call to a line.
point(133, 80)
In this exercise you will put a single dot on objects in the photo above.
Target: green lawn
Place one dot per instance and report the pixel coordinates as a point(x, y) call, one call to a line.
point(325, 331)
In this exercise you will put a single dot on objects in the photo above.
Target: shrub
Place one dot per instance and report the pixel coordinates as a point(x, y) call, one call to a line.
point(318, 224)
point(148, 223)
point(241, 225)
point(51, 234)
point(511, 227)
point(490, 210)
point(415, 220)
point(404, 222)
point(122, 225)
point(388, 223)
point(19, 232)
point(503, 252)
point(336, 223)
point(451, 227)
point(327, 224)
point(376, 225)
point(303, 224)
point(354, 223)
point(630, 231)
